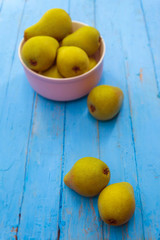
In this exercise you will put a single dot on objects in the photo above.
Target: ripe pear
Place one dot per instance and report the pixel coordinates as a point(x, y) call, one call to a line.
point(52, 72)
point(116, 203)
point(87, 38)
point(104, 102)
point(72, 61)
point(92, 63)
point(88, 176)
point(39, 53)
point(55, 23)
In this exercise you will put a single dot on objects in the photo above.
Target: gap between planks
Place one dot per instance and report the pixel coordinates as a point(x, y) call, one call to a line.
point(126, 71)
point(150, 46)
point(1, 5)
point(61, 176)
point(34, 105)
point(62, 165)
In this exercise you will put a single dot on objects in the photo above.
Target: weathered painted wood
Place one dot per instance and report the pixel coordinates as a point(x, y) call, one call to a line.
point(79, 215)
point(15, 127)
point(41, 193)
point(145, 112)
point(15, 114)
point(1, 4)
point(40, 206)
point(41, 140)
point(8, 39)
point(151, 17)
point(116, 140)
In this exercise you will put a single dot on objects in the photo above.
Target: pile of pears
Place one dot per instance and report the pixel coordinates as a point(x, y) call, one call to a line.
point(89, 177)
point(53, 50)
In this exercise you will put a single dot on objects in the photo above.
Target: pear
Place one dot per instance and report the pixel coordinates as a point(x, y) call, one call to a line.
point(55, 23)
point(116, 203)
point(87, 38)
point(39, 53)
point(88, 176)
point(104, 102)
point(72, 61)
point(92, 63)
point(52, 72)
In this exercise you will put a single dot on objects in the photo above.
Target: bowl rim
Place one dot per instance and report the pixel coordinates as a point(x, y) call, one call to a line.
point(62, 80)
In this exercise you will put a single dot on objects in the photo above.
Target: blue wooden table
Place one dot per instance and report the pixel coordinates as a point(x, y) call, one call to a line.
point(40, 140)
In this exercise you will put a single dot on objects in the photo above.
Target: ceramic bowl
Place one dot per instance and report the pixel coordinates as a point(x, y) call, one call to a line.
point(66, 89)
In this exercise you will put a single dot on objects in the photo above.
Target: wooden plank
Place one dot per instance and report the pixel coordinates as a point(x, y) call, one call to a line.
point(116, 140)
point(1, 4)
point(79, 216)
point(8, 41)
point(151, 17)
point(41, 194)
point(15, 115)
point(145, 111)
point(40, 206)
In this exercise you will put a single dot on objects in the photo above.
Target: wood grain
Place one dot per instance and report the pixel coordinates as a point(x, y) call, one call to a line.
point(40, 140)
point(15, 116)
point(79, 215)
point(145, 113)
point(117, 146)
point(151, 19)
point(42, 180)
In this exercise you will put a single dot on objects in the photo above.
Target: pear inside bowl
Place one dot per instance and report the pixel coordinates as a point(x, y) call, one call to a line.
point(66, 89)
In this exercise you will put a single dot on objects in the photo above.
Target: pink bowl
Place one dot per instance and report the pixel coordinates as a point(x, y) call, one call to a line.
point(66, 89)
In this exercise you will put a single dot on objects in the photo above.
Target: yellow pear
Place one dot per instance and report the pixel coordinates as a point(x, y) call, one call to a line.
point(87, 38)
point(54, 23)
point(104, 102)
point(88, 176)
point(72, 61)
point(116, 203)
point(39, 53)
point(52, 72)
point(92, 63)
